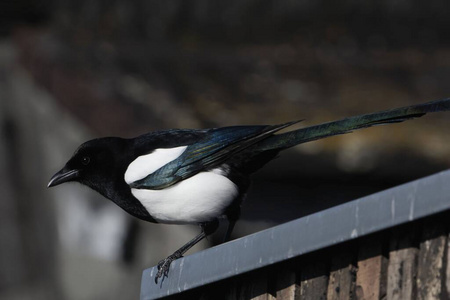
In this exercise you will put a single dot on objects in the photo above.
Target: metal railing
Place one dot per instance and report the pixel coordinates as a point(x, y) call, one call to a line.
point(282, 262)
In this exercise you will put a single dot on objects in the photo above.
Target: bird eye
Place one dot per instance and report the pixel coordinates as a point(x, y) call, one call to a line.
point(85, 160)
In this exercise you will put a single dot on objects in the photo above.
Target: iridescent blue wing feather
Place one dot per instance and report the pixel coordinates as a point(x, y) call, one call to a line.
point(218, 145)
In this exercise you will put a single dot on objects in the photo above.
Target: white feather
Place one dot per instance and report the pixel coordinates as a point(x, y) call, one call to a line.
point(200, 198)
point(147, 164)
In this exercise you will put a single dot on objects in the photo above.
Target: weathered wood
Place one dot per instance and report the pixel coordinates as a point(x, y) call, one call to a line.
point(256, 287)
point(226, 290)
point(372, 268)
point(314, 281)
point(447, 272)
point(341, 284)
point(231, 291)
point(431, 260)
point(402, 268)
point(287, 287)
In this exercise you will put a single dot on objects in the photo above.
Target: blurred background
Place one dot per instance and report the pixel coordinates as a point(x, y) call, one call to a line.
point(74, 70)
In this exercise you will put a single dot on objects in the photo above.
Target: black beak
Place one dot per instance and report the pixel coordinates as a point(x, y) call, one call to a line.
point(63, 176)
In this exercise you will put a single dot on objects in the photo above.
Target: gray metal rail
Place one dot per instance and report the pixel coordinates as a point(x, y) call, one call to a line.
point(392, 207)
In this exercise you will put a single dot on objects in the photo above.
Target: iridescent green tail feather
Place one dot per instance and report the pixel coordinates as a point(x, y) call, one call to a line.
point(303, 135)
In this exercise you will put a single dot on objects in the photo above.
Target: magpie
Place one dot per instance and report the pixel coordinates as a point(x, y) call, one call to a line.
point(196, 176)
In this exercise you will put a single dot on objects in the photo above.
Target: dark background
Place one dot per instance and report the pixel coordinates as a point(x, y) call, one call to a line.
point(74, 70)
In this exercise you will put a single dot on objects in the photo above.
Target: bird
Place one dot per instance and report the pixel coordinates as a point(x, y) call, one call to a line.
point(198, 176)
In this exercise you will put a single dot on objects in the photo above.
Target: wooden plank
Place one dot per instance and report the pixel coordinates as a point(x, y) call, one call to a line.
point(372, 268)
point(431, 260)
point(226, 289)
point(287, 287)
point(256, 287)
point(232, 291)
point(402, 267)
point(447, 272)
point(314, 281)
point(341, 284)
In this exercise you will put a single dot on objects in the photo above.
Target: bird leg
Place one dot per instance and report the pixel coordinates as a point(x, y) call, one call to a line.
point(164, 265)
point(230, 228)
point(233, 214)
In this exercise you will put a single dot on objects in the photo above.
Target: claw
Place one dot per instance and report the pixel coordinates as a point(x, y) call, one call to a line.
point(164, 266)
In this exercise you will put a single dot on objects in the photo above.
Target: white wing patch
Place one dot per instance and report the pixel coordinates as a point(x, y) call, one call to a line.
point(147, 164)
point(200, 198)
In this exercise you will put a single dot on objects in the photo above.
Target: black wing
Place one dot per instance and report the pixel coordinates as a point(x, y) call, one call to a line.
point(214, 149)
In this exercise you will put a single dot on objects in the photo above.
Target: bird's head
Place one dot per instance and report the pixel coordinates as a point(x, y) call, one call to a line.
point(94, 163)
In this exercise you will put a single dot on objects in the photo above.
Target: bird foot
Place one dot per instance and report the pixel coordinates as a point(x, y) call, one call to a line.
point(164, 266)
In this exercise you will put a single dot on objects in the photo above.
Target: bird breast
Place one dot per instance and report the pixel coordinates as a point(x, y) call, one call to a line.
point(200, 198)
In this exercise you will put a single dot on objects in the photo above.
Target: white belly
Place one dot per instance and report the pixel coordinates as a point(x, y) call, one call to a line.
point(200, 198)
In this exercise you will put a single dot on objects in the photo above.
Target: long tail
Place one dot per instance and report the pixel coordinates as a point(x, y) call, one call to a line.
point(303, 135)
